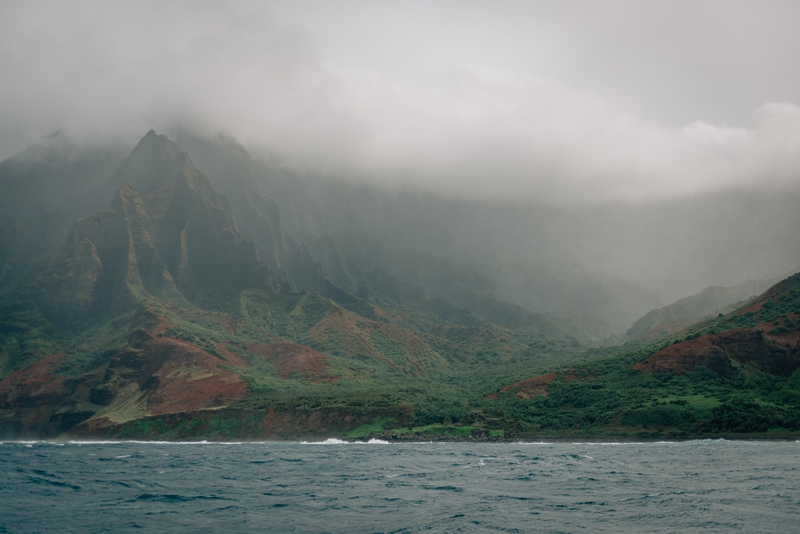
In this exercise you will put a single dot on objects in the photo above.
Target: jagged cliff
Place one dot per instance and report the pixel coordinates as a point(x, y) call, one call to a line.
point(159, 308)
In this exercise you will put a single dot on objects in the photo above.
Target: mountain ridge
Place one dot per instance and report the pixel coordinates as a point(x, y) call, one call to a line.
point(693, 309)
point(156, 306)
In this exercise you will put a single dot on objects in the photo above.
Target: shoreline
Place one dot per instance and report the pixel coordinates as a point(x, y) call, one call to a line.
point(787, 437)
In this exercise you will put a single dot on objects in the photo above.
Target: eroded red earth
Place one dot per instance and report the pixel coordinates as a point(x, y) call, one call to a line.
point(37, 383)
point(356, 335)
point(159, 375)
point(189, 378)
point(295, 360)
point(774, 354)
point(532, 387)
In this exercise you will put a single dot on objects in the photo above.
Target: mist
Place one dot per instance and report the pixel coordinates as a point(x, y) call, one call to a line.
point(576, 104)
point(583, 147)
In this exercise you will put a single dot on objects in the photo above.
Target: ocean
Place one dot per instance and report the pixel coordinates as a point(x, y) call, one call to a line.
point(332, 486)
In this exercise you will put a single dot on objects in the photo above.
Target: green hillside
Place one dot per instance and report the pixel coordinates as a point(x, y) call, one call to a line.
point(156, 311)
point(159, 301)
point(738, 373)
point(688, 311)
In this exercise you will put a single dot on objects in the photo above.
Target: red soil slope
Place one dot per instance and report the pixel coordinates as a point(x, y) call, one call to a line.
point(357, 335)
point(531, 387)
point(150, 376)
point(718, 352)
point(35, 387)
point(189, 378)
point(295, 360)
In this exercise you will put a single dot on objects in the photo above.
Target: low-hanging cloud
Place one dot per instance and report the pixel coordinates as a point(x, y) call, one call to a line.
point(115, 70)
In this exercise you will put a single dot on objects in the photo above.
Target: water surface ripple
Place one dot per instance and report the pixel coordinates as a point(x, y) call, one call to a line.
point(693, 486)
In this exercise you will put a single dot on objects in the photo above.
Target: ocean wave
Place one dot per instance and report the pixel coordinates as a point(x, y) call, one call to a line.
point(337, 441)
point(692, 488)
point(174, 498)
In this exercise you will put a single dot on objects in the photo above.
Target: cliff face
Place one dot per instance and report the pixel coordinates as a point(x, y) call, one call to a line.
point(167, 238)
point(718, 352)
point(233, 172)
point(166, 234)
point(150, 376)
point(158, 310)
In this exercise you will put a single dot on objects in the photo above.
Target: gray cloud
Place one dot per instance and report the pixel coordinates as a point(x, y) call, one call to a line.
point(566, 103)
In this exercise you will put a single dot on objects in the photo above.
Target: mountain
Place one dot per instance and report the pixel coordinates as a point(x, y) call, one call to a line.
point(688, 311)
point(156, 316)
point(166, 234)
point(732, 375)
point(232, 172)
point(425, 240)
point(209, 293)
point(51, 171)
point(319, 262)
point(46, 188)
point(591, 306)
point(764, 333)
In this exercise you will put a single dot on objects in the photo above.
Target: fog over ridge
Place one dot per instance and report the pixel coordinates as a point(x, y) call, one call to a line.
point(274, 79)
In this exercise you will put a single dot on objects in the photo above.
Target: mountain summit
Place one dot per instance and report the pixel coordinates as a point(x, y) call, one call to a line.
point(167, 233)
point(157, 311)
point(168, 297)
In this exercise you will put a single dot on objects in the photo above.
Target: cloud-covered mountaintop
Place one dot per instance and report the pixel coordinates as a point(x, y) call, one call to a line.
point(576, 103)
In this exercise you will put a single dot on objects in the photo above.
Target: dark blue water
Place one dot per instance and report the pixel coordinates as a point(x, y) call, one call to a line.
point(696, 486)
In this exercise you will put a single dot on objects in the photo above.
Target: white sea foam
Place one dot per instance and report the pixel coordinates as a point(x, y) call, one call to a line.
point(329, 441)
point(336, 441)
point(480, 463)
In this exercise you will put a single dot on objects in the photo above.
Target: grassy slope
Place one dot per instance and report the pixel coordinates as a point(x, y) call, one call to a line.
point(166, 258)
point(621, 400)
point(600, 395)
point(403, 363)
point(688, 311)
point(429, 364)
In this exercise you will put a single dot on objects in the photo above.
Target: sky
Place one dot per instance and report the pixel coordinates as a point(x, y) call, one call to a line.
point(565, 102)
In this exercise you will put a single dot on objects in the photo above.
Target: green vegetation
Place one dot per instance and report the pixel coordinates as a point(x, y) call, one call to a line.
point(434, 431)
point(622, 401)
point(165, 322)
point(377, 426)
